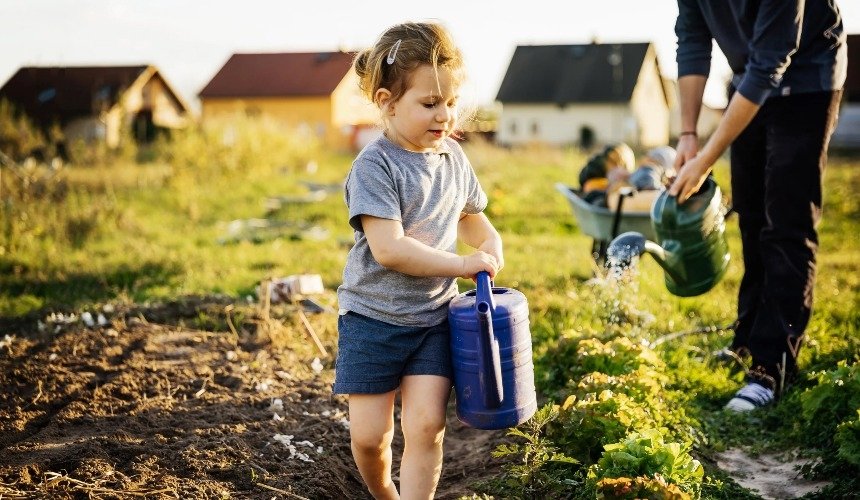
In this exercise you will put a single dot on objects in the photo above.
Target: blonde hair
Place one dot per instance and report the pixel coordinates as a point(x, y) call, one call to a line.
point(399, 51)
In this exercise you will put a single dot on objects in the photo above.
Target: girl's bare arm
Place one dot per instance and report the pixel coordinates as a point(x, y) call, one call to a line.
point(394, 250)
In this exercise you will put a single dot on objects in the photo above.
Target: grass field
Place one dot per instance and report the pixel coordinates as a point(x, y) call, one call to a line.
point(125, 232)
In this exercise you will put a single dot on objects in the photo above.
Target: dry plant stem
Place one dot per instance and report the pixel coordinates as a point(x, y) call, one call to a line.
point(31, 403)
point(285, 492)
point(8, 492)
point(227, 311)
point(311, 332)
point(255, 466)
point(267, 300)
point(90, 488)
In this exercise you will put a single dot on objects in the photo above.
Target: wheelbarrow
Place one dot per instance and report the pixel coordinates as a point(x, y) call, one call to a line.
point(603, 224)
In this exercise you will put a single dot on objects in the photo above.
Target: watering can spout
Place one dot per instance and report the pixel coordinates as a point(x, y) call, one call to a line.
point(631, 244)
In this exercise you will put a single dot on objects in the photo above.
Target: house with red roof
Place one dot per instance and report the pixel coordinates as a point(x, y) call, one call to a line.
point(317, 91)
point(98, 103)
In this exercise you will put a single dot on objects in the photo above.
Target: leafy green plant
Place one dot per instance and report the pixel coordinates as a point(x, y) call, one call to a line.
point(832, 401)
point(541, 466)
point(645, 454)
point(574, 358)
point(636, 488)
point(614, 357)
point(848, 440)
point(639, 384)
point(585, 426)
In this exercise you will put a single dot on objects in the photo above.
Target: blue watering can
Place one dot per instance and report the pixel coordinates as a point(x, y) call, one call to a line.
point(491, 350)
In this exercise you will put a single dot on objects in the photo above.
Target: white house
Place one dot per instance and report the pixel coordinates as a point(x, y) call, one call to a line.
point(847, 133)
point(584, 94)
point(709, 116)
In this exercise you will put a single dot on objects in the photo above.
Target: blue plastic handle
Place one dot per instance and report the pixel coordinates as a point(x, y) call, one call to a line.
point(485, 290)
point(488, 348)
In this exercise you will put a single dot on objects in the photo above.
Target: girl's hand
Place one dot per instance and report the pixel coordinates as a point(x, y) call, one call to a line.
point(493, 247)
point(477, 262)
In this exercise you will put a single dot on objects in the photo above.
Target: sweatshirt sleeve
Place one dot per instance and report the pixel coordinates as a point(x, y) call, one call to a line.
point(776, 36)
point(694, 40)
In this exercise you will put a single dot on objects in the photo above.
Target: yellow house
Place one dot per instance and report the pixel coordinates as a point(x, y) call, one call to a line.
point(317, 90)
point(98, 103)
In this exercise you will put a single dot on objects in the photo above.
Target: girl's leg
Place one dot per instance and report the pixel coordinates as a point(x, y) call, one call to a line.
point(424, 400)
point(371, 429)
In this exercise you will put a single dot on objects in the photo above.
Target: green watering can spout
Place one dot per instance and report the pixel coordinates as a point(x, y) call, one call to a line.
point(631, 244)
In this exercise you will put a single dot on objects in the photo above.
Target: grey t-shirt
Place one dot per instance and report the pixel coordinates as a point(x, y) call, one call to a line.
point(426, 192)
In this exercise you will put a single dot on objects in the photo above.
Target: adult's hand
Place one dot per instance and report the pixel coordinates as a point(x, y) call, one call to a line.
point(690, 178)
point(688, 147)
point(695, 169)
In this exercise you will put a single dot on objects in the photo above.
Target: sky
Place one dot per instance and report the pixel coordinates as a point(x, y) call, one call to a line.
point(189, 40)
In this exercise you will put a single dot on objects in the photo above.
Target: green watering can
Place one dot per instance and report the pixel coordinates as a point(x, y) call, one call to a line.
point(691, 241)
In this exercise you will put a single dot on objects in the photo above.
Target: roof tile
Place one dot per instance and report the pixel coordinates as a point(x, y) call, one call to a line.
point(279, 74)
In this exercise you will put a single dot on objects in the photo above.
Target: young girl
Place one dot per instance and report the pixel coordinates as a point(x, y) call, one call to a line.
point(410, 194)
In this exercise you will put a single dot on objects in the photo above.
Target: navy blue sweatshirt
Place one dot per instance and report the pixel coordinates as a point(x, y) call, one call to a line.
point(774, 47)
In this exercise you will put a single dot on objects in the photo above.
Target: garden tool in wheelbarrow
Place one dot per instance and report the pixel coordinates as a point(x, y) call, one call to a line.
point(691, 244)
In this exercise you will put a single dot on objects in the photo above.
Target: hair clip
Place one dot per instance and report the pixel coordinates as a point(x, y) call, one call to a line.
point(392, 52)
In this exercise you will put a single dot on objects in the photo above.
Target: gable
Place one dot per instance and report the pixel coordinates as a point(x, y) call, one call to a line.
point(279, 75)
point(563, 74)
point(49, 93)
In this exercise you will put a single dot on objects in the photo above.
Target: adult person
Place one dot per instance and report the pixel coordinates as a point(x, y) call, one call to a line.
point(789, 61)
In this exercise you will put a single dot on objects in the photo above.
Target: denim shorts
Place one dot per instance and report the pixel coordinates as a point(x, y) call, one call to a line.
point(373, 356)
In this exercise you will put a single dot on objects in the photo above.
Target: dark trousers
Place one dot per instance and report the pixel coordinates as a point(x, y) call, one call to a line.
point(776, 169)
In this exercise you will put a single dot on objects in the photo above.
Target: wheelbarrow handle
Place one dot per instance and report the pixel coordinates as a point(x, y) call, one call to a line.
point(624, 192)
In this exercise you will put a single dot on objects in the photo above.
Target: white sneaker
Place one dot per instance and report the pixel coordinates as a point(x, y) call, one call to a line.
point(750, 397)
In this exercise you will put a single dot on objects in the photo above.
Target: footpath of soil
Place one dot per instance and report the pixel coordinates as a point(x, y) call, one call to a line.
point(142, 406)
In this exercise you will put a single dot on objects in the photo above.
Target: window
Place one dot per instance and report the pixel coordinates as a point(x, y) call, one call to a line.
point(47, 94)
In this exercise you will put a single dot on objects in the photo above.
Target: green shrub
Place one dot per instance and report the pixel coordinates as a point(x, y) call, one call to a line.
point(835, 399)
point(848, 440)
point(20, 138)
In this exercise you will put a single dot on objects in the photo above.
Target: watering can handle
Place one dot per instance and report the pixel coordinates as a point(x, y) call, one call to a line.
point(670, 212)
point(488, 345)
point(484, 293)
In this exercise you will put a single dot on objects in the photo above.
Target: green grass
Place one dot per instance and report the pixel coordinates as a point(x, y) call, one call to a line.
point(128, 232)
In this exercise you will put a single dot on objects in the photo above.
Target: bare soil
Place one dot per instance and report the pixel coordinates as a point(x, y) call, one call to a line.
point(771, 476)
point(145, 406)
